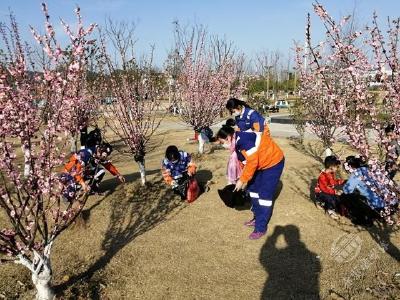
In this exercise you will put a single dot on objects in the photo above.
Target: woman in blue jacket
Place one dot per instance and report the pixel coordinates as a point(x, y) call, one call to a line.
point(355, 182)
point(247, 119)
point(370, 205)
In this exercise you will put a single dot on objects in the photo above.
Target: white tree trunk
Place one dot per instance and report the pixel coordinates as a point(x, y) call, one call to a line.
point(201, 143)
point(41, 273)
point(142, 170)
point(42, 282)
point(328, 152)
point(27, 160)
point(73, 142)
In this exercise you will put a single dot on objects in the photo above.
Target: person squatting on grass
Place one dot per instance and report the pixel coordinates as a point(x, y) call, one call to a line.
point(177, 167)
point(84, 166)
point(202, 135)
point(327, 192)
point(263, 162)
point(94, 166)
point(362, 203)
point(72, 176)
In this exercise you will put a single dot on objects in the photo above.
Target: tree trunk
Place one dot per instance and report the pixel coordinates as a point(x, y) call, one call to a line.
point(201, 143)
point(42, 282)
point(41, 272)
point(73, 142)
point(27, 160)
point(328, 152)
point(142, 170)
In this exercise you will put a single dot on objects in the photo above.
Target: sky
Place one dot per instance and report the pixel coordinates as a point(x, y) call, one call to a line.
point(253, 25)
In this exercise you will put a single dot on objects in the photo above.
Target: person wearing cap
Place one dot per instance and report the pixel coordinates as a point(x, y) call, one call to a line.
point(326, 190)
point(263, 163)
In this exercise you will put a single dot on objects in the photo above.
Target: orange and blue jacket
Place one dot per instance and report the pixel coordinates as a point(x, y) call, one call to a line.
point(75, 167)
point(256, 151)
point(250, 120)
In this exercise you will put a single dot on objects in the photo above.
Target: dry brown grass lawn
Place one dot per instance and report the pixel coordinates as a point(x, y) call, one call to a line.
point(144, 243)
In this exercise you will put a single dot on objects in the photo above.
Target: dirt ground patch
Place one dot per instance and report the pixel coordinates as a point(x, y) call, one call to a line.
point(145, 243)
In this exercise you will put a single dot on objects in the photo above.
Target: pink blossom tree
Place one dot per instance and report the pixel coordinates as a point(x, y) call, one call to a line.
point(134, 88)
point(314, 104)
point(32, 206)
point(341, 77)
point(204, 87)
point(387, 66)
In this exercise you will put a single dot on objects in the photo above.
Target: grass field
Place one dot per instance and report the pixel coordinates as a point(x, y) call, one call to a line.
point(145, 243)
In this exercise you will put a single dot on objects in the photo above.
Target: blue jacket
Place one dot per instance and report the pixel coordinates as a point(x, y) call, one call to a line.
point(175, 170)
point(355, 183)
point(250, 120)
point(85, 155)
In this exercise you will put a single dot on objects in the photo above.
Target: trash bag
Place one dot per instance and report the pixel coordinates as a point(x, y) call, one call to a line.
point(193, 190)
point(233, 199)
point(182, 187)
point(188, 188)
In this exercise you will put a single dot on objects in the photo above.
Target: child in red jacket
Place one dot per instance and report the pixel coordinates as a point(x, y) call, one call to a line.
point(327, 187)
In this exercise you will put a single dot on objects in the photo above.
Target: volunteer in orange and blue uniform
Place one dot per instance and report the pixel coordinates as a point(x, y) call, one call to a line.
point(263, 162)
point(73, 174)
point(83, 166)
point(246, 118)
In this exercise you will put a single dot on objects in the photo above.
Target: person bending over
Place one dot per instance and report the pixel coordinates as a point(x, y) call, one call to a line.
point(263, 162)
point(94, 171)
point(362, 203)
point(246, 118)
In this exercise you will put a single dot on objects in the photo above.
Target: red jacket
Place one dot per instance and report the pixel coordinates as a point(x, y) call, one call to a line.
point(327, 183)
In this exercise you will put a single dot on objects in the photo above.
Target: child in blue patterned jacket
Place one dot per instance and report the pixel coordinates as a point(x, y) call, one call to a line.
point(177, 167)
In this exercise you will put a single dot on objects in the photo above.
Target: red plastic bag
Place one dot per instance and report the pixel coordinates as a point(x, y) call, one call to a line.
point(193, 190)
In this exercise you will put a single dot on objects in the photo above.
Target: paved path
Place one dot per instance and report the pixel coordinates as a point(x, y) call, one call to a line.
point(277, 130)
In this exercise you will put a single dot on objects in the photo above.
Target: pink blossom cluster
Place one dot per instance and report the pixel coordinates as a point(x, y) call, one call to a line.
point(203, 89)
point(334, 85)
point(73, 59)
point(29, 200)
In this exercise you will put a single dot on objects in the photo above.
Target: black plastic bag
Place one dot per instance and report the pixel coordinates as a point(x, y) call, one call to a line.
point(233, 199)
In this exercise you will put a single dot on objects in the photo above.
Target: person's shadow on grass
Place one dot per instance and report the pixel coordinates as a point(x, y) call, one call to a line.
point(293, 271)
